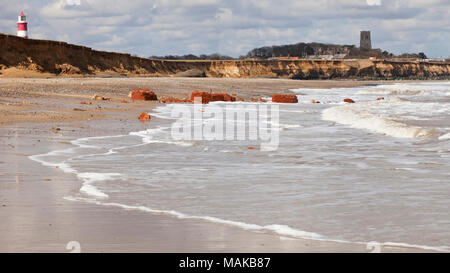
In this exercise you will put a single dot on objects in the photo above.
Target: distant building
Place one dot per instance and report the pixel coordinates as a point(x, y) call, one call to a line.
point(22, 26)
point(365, 42)
point(341, 56)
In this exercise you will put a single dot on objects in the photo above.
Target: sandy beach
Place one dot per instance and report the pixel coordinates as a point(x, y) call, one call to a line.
point(41, 115)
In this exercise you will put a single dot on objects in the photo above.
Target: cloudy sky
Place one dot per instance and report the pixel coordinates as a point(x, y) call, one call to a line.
point(233, 27)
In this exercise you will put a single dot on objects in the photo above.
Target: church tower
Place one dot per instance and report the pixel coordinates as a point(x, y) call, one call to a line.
point(365, 42)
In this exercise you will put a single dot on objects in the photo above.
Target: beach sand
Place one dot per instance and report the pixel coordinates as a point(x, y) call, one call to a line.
point(38, 116)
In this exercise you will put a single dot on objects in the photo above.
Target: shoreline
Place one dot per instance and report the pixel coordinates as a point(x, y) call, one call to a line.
point(45, 99)
point(38, 219)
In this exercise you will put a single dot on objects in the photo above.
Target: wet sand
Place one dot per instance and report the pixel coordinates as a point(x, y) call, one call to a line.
point(35, 217)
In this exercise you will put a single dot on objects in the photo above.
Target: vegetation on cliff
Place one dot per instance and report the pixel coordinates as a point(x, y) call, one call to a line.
point(192, 57)
point(303, 50)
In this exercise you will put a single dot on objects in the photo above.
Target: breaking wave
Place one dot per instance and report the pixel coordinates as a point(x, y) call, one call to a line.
point(355, 116)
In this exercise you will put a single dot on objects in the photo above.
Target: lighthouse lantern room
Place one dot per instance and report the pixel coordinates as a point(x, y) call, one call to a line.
point(22, 26)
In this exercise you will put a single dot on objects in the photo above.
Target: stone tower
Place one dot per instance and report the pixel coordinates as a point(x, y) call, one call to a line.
point(365, 43)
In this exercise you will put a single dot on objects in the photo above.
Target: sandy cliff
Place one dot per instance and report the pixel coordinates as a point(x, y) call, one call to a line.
point(24, 57)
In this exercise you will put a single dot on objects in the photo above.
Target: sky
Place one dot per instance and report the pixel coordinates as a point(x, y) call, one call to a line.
point(233, 27)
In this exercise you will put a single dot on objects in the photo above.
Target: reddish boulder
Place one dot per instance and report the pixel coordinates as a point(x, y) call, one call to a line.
point(258, 100)
point(144, 117)
point(349, 101)
point(284, 98)
point(222, 97)
point(209, 97)
point(143, 94)
point(205, 96)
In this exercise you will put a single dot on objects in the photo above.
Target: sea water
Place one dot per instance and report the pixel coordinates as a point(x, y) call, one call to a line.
point(374, 170)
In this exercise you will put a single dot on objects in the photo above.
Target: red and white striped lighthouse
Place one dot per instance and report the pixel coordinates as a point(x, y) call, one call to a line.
point(22, 26)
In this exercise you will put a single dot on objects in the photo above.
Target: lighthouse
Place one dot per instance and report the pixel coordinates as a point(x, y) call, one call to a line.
point(22, 26)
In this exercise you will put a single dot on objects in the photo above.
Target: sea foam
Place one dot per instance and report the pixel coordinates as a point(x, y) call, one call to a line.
point(445, 137)
point(90, 178)
point(283, 231)
point(355, 116)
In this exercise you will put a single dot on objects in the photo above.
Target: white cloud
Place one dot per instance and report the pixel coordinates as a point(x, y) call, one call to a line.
point(73, 2)
point(374, 2)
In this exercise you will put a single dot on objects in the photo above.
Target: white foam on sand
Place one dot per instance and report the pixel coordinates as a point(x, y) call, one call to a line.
point(61, 165)
point(432, 248)
point(356, 116)
point(445, 137)
point(93, 191)
point(281, 230)
point(87, 188)
point(178, 143)
point(149, 136)
point(277, 229)
point(90, 178)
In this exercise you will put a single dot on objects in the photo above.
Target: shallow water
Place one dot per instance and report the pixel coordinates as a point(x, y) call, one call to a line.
point(369, 171)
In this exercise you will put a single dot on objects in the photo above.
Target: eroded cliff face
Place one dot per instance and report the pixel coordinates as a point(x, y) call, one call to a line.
point(62, 59)
point(322, 69)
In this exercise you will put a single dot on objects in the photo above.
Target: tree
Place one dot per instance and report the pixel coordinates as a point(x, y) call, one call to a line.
point(422, 55)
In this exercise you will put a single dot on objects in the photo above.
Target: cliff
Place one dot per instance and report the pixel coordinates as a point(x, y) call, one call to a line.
point(63, 59)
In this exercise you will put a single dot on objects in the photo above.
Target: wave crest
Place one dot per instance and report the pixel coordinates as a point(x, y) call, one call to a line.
point(356, 117)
